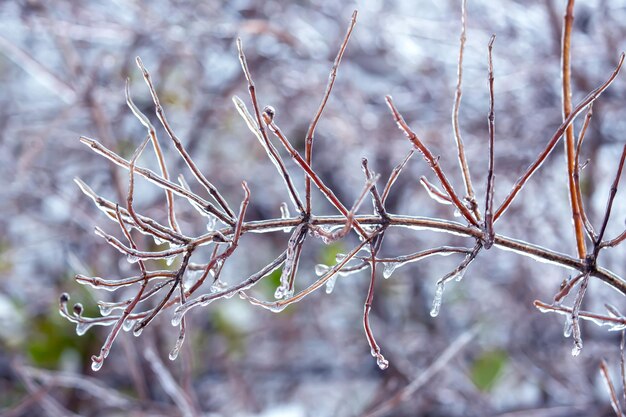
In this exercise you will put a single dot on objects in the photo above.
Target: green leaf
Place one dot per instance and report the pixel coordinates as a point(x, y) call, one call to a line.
point(487, 368)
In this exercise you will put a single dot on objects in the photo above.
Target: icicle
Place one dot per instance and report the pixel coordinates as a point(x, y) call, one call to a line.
point(389, 268)
point(210, 226)
point(132, 259)
point(157, 241)
point(82, 327)
point(96, 364)
point(170, 260)
point(106, 308)
point(434, 312)
point(330, 284)
point(284, 214)
point(568, 327)
point(321, 269)
point(138, 329)
point(340, 257)
point(128, 325)
point(578, 346)
point(176, 350)
point(218, 286)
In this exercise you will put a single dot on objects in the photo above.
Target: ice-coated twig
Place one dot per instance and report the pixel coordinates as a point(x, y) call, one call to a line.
point(379, 205)
point(578, 341)
point(579, 195)
point(211, 189)
point(310, 134)
point(309, 172)
point(391, 264)
point(395, 173)
point(489, 232)
point(591, 97)
point(432, 162)
point(434, 192)
point(469, 189)
point(614, 323)
point(568, 139)
point(160, 158)
point(456, 274)
point(604, 371)
point(609, 203)
point(156, 179)
point(367, 307)
point(567, 286)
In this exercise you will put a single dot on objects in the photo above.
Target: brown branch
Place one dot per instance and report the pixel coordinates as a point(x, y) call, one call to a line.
point(308, 151)
point(568, 142)
point(489, 232)
point(432, 162)
point(591, 97)
point(455, 118)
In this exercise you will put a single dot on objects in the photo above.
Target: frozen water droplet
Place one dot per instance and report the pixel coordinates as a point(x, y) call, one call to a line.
point(330, 284)
point(276, 308)
point(96, 364)
point(210, 226)
point(568, 327)
point(176, 350)
point(340, 257)
point(321, 269)
point(82, 327)
point(218, 286)
point(434, 312)
point(382, 362)
point(137, 330)
point(458, 277)
point(157, 240)
point(170, 260)
point(578, 346)
point(128, 324)
point(105, 308)
point(177, 317)
point(132, 259)
point(457, 213)
point(389, 268)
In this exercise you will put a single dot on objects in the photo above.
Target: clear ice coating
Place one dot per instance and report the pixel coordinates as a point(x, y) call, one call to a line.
point(218, 286)
point(176, 350)
point(96, 364)
point(578, 346)
point(132, 259)
point(568, 327)
point(389, 268)
point(210, 226)
point(105, 308)
point(321, 269)
point(330, 284)
point(382, 362)
point(128, 325)
point(434, 312)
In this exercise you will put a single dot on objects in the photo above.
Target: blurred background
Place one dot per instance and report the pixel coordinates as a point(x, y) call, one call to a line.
point(63, 65)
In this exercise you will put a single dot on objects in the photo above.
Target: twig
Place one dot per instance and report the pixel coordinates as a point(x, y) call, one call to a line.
point(455, 118)
point(489, 232)
point(432, 162)
point(308, 150)
point(568, 141)
point(591, 97)
point(604, 371)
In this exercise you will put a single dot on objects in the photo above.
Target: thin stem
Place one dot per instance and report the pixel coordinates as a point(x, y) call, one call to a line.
point(367, 307)
point(455, 117)
point(432, 162)
point(591, 97)
point(609, 204)
point(395, 174)
point(308, 151)
point(489, 232)
point(604, 371)
point(211, 189)
point(579, 195)
point(568, 141)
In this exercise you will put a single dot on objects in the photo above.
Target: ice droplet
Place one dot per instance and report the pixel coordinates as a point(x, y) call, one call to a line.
point(128, 324)
point(96, 364)
point(340, 257)
point(210, 226)
point(132, 259)
point(457, 213)
point(276, 308)
point(174, 352)
point(389, 268)
point(568, 327)
point(434, 312)
point(157, 240)
point(170, 260)
point(82, 327)
point(382, 362)
point(138, 329)
point(330, 284)
point(578, 346)
point(218, 286)
point(177, 317)
point(321, 269)
point(105, 308)
point(458, 277)
point(78, 309)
